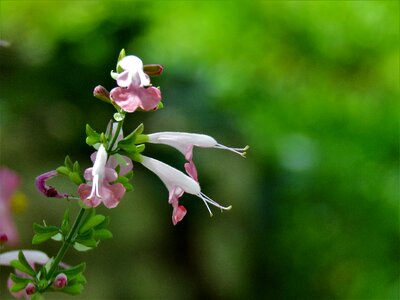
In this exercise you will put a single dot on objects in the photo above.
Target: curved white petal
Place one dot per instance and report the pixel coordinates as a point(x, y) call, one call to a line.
point(170, 176)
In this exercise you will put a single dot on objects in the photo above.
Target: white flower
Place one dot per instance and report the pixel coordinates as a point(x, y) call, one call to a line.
point(177, 182)
point(184, 142)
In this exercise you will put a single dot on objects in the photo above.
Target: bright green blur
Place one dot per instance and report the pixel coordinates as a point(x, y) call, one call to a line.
point(312, 87)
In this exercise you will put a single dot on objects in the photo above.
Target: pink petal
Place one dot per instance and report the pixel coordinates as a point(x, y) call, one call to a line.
point(178, 213)
point(123, 79)
point(134, 97)
point(9, 181)
point(174, 196)
point(7, 226)
point(84, 191)
point(111, 195)
point(125, 167)
point(190, 168)
point(110, 175)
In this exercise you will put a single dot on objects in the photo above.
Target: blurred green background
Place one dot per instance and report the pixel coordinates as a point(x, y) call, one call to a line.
point(311, 86)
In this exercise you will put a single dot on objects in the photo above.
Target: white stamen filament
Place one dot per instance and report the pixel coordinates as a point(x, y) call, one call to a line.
point(207, 200)
point(240, 151)
point(95, 187)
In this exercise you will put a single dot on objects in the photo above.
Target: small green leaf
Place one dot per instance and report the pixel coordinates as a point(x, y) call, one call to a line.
point(128, 187)
point(73, 271)
point(65, 223)
point(76, 168)
point(39, 238)
point(37, 228)
point(92, 136)
point(63, 170)
point(37, 296)
point(16, 287)
point(102, 234)
point(19, 266)
point(75, 289)
point(68, 163)
point(76, 178)
point(81, 248)
point(58, 237)
point(140, 148)
point(17, 279)
point(92, 222)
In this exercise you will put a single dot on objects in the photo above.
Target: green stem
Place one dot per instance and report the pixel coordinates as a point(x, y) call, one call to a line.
point(114, 139)
point(67, 242)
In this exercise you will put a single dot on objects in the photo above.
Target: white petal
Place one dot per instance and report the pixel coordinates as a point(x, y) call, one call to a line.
point(170, 176)
point(100, 162)
point(32, 256)
point(181, 140)
point(131, 63)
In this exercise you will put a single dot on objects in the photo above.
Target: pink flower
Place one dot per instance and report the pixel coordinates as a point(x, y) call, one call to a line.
point(48, 191)
point(101, 175)
point(184, 142)
point(60, 281)
point(134, 90)
point(9, 181)
point(177, 183)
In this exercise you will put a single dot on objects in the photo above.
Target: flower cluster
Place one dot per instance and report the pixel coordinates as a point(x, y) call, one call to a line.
point(106, 182)
point(114, 156)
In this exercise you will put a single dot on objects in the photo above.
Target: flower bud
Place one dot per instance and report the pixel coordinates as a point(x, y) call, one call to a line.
point(3, 238)
point(100, 92)
point(30, 289)
point(60, 281)
point(153, 70)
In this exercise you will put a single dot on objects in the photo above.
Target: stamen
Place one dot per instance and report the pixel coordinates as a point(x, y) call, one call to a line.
point(240, 151)
point(207, 199)
point(95, 187)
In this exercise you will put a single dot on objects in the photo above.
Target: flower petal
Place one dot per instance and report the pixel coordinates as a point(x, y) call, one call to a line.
point(112, 194)
point(84, 191)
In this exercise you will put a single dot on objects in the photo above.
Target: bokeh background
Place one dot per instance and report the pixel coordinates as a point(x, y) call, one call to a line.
point(311, 86)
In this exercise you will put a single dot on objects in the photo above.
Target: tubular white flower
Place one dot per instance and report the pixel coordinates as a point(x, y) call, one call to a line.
point(32, 256)
point(183, 141)
point(173, 178)
point(98, 171)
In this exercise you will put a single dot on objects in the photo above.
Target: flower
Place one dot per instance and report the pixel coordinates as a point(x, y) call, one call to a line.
point(48, 191)
point(9, 182)
point(177, 183)
point(60, 281)
point(184, 142)
point(134, 90)
point(101, 175)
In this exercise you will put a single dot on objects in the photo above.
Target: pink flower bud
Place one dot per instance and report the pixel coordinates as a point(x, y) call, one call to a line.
point(153, 70)
point(30, 289)
point(100, 92)
point(61, 281)
point(3, 238)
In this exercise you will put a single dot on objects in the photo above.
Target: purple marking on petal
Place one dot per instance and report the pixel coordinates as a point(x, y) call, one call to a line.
point(46, 190)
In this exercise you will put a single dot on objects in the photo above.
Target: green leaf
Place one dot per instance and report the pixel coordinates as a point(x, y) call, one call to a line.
point(75, 289)
point(16, 287)
point(128, 187)
point(58, 237)
point(39, 238)
point(17, 279)
point(81, 248)
point(22, 259)
point(76, 178)
point(37, 228)
point(102, 234)
point(19, 266)
point(73, 271)
point(129, 175)
point(140, 148)
point(63, 170)
point(37, 296)
point(76, 168)
point(65, 223)
point(68, 162)
point(92, 222)
point(92, 136)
